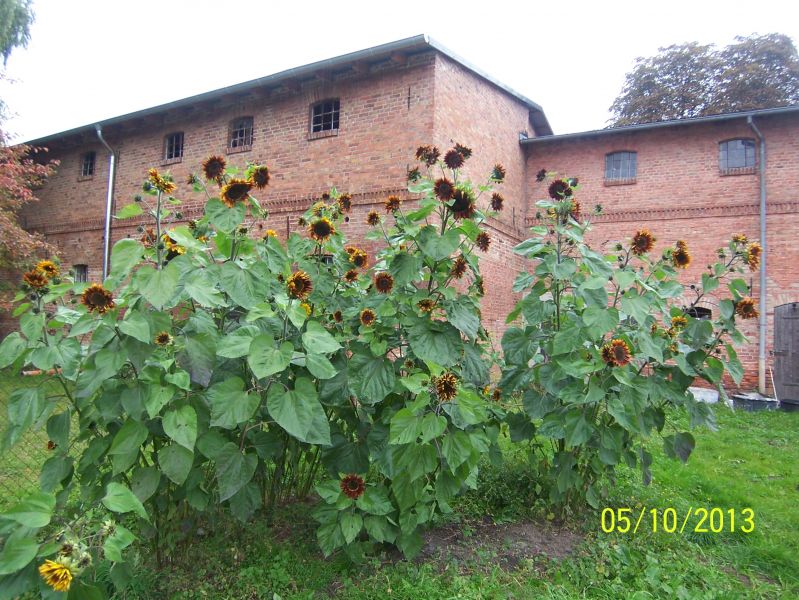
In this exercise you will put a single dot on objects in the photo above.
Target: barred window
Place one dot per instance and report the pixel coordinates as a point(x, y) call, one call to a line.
point(240, 134)
point(324, 116)
point(173, 146)
point(737, 154)
point(81, 273)
point(87, 164)
point(621, 166)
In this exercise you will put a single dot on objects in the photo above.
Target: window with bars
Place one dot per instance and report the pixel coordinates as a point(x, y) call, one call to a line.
point(737, 155)
point(240, 138)
point(621, 166)
point(81, 273)
point(87, 164)
point(173, 147)
point(325, 116)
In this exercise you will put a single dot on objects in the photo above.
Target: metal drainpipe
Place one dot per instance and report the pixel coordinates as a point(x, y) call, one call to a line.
point(109, 200)
point(761, 355)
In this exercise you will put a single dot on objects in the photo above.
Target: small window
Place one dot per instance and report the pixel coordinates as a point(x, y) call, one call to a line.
point(699, 312)
point(324, 116)
point(735, 155)
point(81, 273)
point(240, 134)
point(621, 167)
point(173, 147)
point(87, 165)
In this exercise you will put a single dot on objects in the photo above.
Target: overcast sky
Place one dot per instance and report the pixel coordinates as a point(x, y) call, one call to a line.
point(93, 59)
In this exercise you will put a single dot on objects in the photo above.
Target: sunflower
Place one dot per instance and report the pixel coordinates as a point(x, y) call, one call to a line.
point(426, 305)
point(740, 238)
point(463, 204)
point(497, 201)
point(353, 486)
point(319, 208)
point(321, 230)
point(643, 242)
point(214, 168)
point(357, 256)
point(51, 445)
point(160, 182)
point(414, 175)
point(384, 282)
point(479, 286)
point(427, 154)
point(163, 339)
point(372, 218)
point(574, 209)
point(453, 159)
point(616, 353)
point(270, 233)
point(483, 241)
point(541, 175)
point(392, 204)
point(446, 386)
point(172, 246)
point(191, 179)
point(679, 322)
point(301, 222)
point(464, 151)
point(337, 316)
point(745, 308)
point(48, 268)
point(36, 279)
point(307, 308)
point(458, 268)
point(367, 317)
point(681, 257)
point(96, 297)
point(498, 173)
point(444, 189)
point(259, 176)
point(236, 190)
point(299, 285)
point(753, 252)
point(496, 395)
point(57, 575)
point(560, 189)
point(344, 203)
point(351, 276)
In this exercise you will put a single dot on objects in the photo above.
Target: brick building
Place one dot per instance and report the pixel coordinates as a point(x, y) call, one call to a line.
point(354, 122)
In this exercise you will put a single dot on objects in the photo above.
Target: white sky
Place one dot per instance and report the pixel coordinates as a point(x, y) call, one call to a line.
point(93, 59)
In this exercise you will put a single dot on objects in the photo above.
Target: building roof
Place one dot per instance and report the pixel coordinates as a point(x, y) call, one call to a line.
point(408, 46)
point(543, 139)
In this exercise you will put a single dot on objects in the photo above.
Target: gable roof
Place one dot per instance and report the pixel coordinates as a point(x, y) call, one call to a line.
point(408, 46)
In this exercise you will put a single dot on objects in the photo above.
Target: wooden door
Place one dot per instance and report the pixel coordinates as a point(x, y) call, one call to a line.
point(786, 352)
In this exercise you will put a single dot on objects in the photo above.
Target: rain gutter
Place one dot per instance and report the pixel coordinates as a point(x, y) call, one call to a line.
point(112, 170)
point(761, 352)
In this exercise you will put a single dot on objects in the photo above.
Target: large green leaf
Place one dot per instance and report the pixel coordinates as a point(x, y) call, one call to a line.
point(16, 554)
point(375, 501)
point(202, 289)
point(129, 438)
point(223, 217)
point(237, 343)
point(120, 499)
point(317, 340)
point(157, 287)
point(230, 404)
point(404, 268)
point(199, 358)
point(243, 287)
point(320, 367)
point(125, 255)
point(438, 247)
point(25, 406)
point(464, 315)
point(436, 342)
point(267, 358)
point(35, 510)
point(234, 470)
point(180, 424)
point(371, 378)
point(136, 326)
point(299, 412)
point(11, 349)
point(578, 429)
point(600, 320)
point(175, 461)
point(117, 542)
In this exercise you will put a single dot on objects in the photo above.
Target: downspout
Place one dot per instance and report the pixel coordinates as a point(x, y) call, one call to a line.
point(761, 353)
point(109, 200)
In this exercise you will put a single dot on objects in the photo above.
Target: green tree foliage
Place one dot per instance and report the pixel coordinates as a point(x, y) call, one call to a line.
point(16, 17)
point(692, 80)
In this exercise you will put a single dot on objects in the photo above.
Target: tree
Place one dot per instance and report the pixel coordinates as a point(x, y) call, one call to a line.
point(15, 19)
point(692, 80)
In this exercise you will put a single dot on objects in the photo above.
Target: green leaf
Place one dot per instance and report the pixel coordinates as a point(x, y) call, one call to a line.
point(564, 269)
point(180, 379)
point(371, 378)
point(320, 367)
point(299, 412)
point(125, 255)
point(404, 427)
point(237, 343)
point(351, 524)
point(136, 326)
point(432, 426)
point(379, 529)
point(404, 268)
point(317, 340)
point(457, 448)
point(129, 438)
point(464, 315)
point(518, 346)
point(436, 342)
point(120, 499)
point(34, 511)
point(267, 358)
point(157, 287)
point(600, 320)
point(58, 428)
point(636, 306)
point(16, 555)
point(156, 397)
point(329, 537)
point(133, 209)
point(733, 364)
point(11, 349)
point(224, 218)
point(243, 287)
point(181, 425)
point(117, 542)
point(83, 591)
point(202, 289)
point(679, 445)
point(144, 482)
point(175, 461)
point(375, 501)
point(25, 406)
point(230, 404)
point(55, 470)
point(438, 247)
point(578, 429)
point(234, 470)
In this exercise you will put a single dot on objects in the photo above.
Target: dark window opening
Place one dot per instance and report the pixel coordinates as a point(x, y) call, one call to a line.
point(81, 273)
point(699, 312)
point(737, 154)
point(173, 146)
point(87, 164)
point(621, 166)
point(325, 116)
point(241, 134)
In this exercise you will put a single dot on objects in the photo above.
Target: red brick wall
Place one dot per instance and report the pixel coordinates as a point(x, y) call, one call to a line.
point(679, 194)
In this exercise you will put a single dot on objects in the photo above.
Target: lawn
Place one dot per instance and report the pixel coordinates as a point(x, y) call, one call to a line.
point(491, 547)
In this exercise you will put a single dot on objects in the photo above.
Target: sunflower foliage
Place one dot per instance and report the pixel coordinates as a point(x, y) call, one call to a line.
point(604, 347)
point(211, 370)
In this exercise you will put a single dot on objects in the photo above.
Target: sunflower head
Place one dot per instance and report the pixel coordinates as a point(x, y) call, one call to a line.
point(163, 183)
point(643, 242)
point(357, 256)
point(344, 203)
point(307, 308)
point(453, 159)
point(745, 308)
point(497, 201)
point(616, 353)
point(270, 233)
point(541, 175)
point(48, 268)
point(96, 297)
point(458, 268)
point(463, 204)
point(299, 285)
point(426, 305)
point(353, 486)
point(35, 279)
point(753, 252)
point(498, 173)
point(464, 151)
point(392, 204)
point(235, 191)
point(496, 395)
point(680, 257)
point(259, 176)
point(368, 317)
point(483, 241)
point(560, 189)
point(384, 282)
point(427, 154)
point(351, 276)
point(319, 208)
point(337, 316)
point(214, 168)
point(57, 575)
point(679, 322)
point(163, 338)
point(373, 218)
point(414, 175)
point(446, 386)
point(740, 238)
point(321, 229)
point(444, 189)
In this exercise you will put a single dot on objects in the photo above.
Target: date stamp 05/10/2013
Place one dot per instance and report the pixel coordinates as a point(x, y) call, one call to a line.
point(669, 520)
